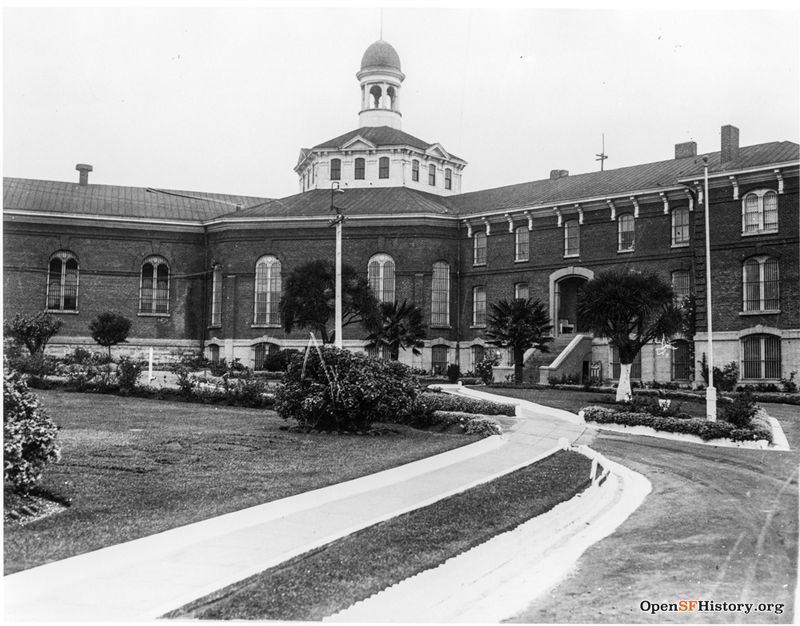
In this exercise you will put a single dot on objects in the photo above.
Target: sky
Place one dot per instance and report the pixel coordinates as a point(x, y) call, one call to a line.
point(222, 99)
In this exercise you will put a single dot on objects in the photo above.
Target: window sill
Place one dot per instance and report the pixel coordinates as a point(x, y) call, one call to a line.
point(60, 312)
point(140, 314)
point(478, 326)
point(762, 312)
point(479, 265)
point(214, 327)
point(265, 325)
point(626, 251)
point(521, 260)
point(761, 232)
point(442, 326)
point(572, 256)
point(680, 245)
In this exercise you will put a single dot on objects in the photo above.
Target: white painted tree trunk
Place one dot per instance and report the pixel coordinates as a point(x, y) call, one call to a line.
point(624, 385)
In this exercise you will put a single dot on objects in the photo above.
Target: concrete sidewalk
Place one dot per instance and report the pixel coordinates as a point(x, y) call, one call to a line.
point(145, 578)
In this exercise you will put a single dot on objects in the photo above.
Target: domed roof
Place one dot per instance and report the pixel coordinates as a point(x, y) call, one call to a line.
point(380, 54)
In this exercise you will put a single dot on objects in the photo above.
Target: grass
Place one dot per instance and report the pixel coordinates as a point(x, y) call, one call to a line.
point(574, 401)
point(132, 467)
point(334, 577)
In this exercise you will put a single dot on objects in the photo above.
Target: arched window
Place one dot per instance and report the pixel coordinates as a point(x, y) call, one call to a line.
point(760, 212)
point(267, 291)
point(383, 167)
point(521, 244)
point(154, 286)
point(761, 357)
point(261, 352)
point(521, 291)
point(636, 366)
point(62, 282)
point(415, 170)
point(479, 248)
point(380, 273)
point(680, 227)
point(336, 169)
point(432, 174)
point(375, 92)
point(761, 284)
point(479, 306)
point(681, 286)
point(448, 178)
point(216, 296)
point(391, 95)
point(440, 294)
point(359, 169)
point(478, 352)
point(572, 238)
point(625, 231)
point(681, 360)
point(439, 358)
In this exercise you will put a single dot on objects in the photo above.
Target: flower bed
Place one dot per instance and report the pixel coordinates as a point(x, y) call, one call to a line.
point(437, 401)
point(759, 429)
point(470, 423)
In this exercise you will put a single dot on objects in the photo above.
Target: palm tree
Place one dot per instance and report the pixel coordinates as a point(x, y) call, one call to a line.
point(630, 309)
point(399, 326)
point(520, 325)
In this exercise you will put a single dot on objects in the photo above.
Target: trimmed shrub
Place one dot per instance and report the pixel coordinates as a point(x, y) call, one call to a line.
point(429, 402)
point(741, 411)
point(702, 428)
point(279, 361)
point(128, 371)
point(654, 406)
point(29, 436)
point(109, 328)
point(453, 372)
point(32, 332)
point(470, 423)
point(330, 389)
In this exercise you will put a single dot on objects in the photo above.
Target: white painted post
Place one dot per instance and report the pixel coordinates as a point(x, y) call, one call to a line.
point(150, 376)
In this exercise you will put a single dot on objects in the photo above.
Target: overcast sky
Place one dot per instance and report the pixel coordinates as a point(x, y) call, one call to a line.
point(221, 100)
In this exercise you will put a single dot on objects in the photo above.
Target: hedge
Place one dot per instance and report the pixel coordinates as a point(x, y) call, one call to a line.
point(470, 423)
point(759, 429)
point(429, 402)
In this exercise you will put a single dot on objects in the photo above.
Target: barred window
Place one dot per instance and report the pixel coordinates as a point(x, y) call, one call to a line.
point(448, 178)
point(761, 357)
point(154, 286)
point(479, 306)
point(360, 168)
point(379, 351)
point(216, 296)
point(479, 249)
point(625, 231)
point(478, 352)
point(440, 294)
point(439, 358)
point(681, 360)
point(680, 227)
point(432, 175)
point(636, 366)
point(572, 238)
point(522, 244)
point(260, 353)
point(761, 284)
point(521, 291)
point(415, 170)
point(336, 169)
point(267, 291)
point(380, 273)
point(62, 282)
point(213, 353)
point(760, 212)
point(680, 284)
point(383, 167)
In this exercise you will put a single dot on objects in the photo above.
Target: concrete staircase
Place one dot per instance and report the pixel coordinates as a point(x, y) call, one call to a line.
point(566, 357)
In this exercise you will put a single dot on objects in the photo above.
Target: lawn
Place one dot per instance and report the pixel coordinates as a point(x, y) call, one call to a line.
point(351, 569)
point(132, 467)
point(574, 401)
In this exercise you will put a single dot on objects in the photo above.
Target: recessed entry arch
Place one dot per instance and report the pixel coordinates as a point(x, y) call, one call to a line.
point(564, 284)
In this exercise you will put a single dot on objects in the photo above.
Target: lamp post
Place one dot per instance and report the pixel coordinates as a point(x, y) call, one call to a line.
point(337, 221)
point(711, 392)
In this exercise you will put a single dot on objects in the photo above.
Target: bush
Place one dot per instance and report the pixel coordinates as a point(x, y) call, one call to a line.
point(702, 428)
point(428, 403)
point(654, 406)
point(485, 369)
point(741, 411)
point(29, 436)
point(33, 332)
point(788, 385)
point(128, 371)
point(470, 423)
point(335, 390)
point(279, 361)
point(564, 379)
point(108, 329)
point(247, 390)
point(725, 379)
point(79, 356)
point(37, 365)
point(453, 372)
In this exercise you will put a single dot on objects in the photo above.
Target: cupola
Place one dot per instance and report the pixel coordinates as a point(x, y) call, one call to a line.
point(380, 78)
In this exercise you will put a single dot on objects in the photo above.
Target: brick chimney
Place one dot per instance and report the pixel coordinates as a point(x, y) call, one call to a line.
point(729, 148)
point(84, 170)
point(686, 149)
point(556, 174)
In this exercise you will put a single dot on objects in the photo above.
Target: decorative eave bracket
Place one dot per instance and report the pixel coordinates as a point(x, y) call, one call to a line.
point(580, 213)
point(558, 215)
point(689, 197)
point(613, 210)
point(510, 221)
point(488, 226)
point(635, 206)
point(699, 191)
point(665, 201)
point(530, 219)
point(735, 187)
point(469, 228)
point(780, 180)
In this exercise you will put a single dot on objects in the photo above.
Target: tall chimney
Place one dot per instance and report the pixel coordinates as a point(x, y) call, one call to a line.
point(84, 170)
point(556, 174)
point(686, 149)
point(729, 149)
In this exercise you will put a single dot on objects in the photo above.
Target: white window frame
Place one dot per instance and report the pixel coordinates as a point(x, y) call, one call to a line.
point(761, 226)
point(680, 239)
point(522, 244)
point(216, 296)
point(518, 288)
point(155, 261)
point(761, 338)
point(569, 226)
point(680, 296)
point(623, 219)
point(381, 273)
point(762, 261)
point(266, 313)
point(479, 306)
point(63, 256)
point(479, 247)
point(440, 294)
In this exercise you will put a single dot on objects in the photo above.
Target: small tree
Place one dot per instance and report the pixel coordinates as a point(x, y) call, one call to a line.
point(400, 326)
point(108, 329)
point(630, 309)
point(309, 299)
point(520, 325)
point(34, 331)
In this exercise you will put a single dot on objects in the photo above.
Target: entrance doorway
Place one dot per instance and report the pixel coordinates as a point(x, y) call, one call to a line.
point(567, 321)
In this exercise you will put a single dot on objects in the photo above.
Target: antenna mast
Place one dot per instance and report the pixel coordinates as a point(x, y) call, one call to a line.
point(381, 23)
point(602, 156)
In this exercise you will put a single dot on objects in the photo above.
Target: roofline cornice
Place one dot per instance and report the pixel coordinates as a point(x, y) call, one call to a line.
point(102, 220)
point(746, 170)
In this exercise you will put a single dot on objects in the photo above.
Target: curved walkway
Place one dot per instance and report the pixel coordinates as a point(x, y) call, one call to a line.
point(145, 578)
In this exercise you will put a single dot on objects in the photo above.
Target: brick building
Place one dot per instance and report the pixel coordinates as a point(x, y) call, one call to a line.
point(201, 271)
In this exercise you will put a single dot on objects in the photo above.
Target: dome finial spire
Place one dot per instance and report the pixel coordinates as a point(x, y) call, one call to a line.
point(381, 37)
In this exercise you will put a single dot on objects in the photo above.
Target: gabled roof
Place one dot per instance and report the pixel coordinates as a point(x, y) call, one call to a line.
point(379, 136)
point(358, 201)
point(114, 201)
point(661, 174)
